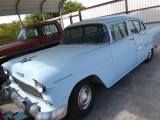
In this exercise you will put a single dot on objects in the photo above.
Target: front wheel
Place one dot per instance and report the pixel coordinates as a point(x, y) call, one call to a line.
point(82, 99)
point(150, 56)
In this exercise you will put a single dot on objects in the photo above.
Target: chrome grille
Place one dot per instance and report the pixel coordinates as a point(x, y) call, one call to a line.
point(28, 89)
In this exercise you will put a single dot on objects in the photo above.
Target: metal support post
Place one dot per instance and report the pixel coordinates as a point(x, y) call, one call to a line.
point(71, 21)
point(61, 10)
point(61, 20)
point(21, 24)
point(43, 18)
point(80, 16)
point(126, 3)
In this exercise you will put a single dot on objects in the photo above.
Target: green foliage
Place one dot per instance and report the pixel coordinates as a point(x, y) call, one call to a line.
point(9, 32)
point(70, 7)
point(35, 18)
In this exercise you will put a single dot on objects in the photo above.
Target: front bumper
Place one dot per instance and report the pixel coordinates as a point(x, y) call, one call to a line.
point(33, 109)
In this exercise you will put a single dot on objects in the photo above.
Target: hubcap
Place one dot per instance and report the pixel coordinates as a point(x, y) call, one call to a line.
point(150, 54)
point(84, 97)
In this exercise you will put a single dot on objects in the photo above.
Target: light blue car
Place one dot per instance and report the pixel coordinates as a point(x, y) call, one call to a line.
point(50, 83)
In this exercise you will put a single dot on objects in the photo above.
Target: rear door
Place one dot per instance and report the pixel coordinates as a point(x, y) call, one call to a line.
point(140, 39)
point(123, 49)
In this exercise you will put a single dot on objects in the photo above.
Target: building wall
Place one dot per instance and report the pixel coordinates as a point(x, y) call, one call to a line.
point(147, 10)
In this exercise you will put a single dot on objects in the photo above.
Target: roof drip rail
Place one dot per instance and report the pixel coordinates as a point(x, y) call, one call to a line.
point(42, 10)
point(61, 5)
point(17, 10)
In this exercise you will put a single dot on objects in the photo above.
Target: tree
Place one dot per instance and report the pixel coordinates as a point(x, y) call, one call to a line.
point(35, 18)
point(9, 32)
point(69, 7)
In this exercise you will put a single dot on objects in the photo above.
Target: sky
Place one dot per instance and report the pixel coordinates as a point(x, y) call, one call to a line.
point(86, 3)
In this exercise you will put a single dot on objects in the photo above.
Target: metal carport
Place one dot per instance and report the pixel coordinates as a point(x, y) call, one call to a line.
point(17, 7)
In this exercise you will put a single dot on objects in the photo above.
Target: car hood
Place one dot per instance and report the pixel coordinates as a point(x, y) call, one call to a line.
point(56, 61)
point(55, 55)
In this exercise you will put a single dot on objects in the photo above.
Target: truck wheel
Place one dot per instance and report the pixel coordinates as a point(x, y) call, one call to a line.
point(82, 99)
point(150, 56)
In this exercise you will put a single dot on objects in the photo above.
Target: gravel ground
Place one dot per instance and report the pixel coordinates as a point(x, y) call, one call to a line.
point(134, 97)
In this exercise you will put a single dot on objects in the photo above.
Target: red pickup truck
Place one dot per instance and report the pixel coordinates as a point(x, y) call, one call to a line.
point(32, 38)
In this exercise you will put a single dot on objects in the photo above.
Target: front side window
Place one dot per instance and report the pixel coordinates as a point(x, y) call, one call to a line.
point(94, 33)
point(49, 29)
point(134, 26)
point(28, 33)
point(119, 30)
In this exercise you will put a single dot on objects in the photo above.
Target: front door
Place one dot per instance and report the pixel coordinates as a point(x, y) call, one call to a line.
point(50, 34)
point(123, 50)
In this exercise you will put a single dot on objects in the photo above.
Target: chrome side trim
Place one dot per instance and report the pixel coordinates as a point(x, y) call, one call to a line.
point(142, 46)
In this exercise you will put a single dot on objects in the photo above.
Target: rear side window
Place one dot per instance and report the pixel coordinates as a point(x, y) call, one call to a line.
point(119, 30)
point(134, 26)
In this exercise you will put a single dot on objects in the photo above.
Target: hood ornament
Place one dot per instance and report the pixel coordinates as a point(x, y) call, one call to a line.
point(26, 59)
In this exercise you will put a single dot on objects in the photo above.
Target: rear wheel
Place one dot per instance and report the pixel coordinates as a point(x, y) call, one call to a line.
point(82, 99)
point(150, 56)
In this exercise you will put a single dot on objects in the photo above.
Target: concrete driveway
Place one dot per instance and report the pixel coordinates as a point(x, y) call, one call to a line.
point(135, 97)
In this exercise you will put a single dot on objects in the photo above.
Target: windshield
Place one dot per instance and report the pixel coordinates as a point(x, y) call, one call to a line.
point(86, 34)
point(28, 33)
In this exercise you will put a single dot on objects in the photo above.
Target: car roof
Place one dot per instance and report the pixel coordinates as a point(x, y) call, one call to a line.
point(104, 20)
point(40, 23)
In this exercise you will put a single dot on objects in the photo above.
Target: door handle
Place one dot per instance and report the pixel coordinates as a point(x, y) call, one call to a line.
point(131, 39)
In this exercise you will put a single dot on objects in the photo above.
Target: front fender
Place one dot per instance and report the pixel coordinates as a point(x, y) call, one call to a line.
point(64, 89)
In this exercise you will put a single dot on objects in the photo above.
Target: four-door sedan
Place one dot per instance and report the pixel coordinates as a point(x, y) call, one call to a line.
point(53, 82)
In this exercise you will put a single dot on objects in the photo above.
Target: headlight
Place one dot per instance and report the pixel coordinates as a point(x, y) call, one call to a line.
point(5, 76)
point(39, 87)
point(5, 71)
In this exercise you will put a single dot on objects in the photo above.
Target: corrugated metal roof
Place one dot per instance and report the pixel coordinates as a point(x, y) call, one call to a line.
point(9, 7)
